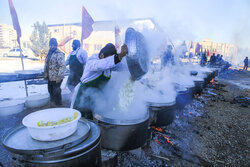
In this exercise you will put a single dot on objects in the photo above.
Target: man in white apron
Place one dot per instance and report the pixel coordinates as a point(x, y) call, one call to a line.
point(96, 74)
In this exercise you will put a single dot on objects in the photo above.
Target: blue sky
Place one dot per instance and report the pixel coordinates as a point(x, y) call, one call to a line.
point(226, 21)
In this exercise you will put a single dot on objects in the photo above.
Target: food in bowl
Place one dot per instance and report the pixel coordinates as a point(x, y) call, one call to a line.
point(53, 132)
point(62, 121)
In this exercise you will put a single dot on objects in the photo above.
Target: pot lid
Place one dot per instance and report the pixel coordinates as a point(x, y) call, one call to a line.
point(137, 58)
point(154, 104)
point(106, 119)
point(198, 79)
point(193, 73)
point(181, 90)
point(18, 140)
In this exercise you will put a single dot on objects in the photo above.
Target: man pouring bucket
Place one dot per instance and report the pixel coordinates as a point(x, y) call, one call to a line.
point(96, 74)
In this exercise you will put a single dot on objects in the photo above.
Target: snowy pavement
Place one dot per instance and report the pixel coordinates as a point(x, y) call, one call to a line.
point(16, 90)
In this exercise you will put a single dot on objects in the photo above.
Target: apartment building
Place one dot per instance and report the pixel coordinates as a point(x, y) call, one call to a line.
point(225, 49)
point(7, 36)
point(103, 32)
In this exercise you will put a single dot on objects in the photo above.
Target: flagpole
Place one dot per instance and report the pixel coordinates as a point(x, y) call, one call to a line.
point(25, 84)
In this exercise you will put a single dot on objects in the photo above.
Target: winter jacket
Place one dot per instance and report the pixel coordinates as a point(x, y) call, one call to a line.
point(55, 67)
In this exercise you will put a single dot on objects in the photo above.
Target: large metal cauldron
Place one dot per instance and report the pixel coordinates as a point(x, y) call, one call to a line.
point(161, 114)
point(215, 71)
point(199, 84)
point(191, 91)
point(83, 150)
point(182, 98)
point(208, 78)
point(122, 135)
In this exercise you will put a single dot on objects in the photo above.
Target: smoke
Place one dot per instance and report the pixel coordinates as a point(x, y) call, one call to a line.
point(222, 21)
point(107, 102)
point(156, 42)
point(162, 90)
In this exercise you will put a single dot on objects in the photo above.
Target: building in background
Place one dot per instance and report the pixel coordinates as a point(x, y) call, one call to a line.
point(103, 32)
point(227, 50)
point(7, 36)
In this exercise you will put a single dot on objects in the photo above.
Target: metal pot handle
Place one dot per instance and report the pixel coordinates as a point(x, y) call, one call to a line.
point(106, 126)
point(18, 162)
point(60, 151)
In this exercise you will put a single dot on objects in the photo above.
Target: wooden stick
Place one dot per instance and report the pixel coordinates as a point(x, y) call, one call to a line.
point(160, 157)
point(220, 161)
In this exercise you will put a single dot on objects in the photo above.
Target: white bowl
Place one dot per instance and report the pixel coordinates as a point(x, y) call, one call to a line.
point(11, 107)
point(51, 133)
point(37, 100)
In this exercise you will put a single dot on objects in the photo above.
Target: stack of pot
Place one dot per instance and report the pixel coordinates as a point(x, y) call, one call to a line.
point(80, 149)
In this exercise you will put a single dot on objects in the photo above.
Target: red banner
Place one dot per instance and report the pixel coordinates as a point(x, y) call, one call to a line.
point(117, 37)
point(15, 21)
point(87, 23)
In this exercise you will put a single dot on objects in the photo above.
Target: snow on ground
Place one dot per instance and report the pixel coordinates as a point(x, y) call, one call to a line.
point(16, 90)
point(14, 64)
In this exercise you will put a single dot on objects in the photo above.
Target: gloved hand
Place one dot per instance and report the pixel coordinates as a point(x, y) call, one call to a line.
point(124, 51)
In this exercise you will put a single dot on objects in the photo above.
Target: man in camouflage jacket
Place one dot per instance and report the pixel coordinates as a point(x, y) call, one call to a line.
point(54, 69)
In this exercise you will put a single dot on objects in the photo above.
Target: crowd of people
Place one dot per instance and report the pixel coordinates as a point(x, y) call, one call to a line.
point(85, 72)
point(218, 59)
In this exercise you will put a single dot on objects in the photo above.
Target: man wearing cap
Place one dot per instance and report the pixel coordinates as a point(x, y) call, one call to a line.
point(96, 74)
point(76, 61)
point(54, 69)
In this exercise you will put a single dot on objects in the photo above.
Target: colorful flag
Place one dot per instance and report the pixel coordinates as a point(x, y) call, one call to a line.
point(207, 52)
point(117, 38)
point(191, 45)
point(15, 21)
point(87, 23)
point(197, 48)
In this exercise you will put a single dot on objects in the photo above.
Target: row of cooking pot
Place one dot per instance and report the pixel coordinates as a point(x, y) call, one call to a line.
point(130, 134)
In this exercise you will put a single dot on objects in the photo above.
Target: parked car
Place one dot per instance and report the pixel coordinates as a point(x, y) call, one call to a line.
point(15, 53)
